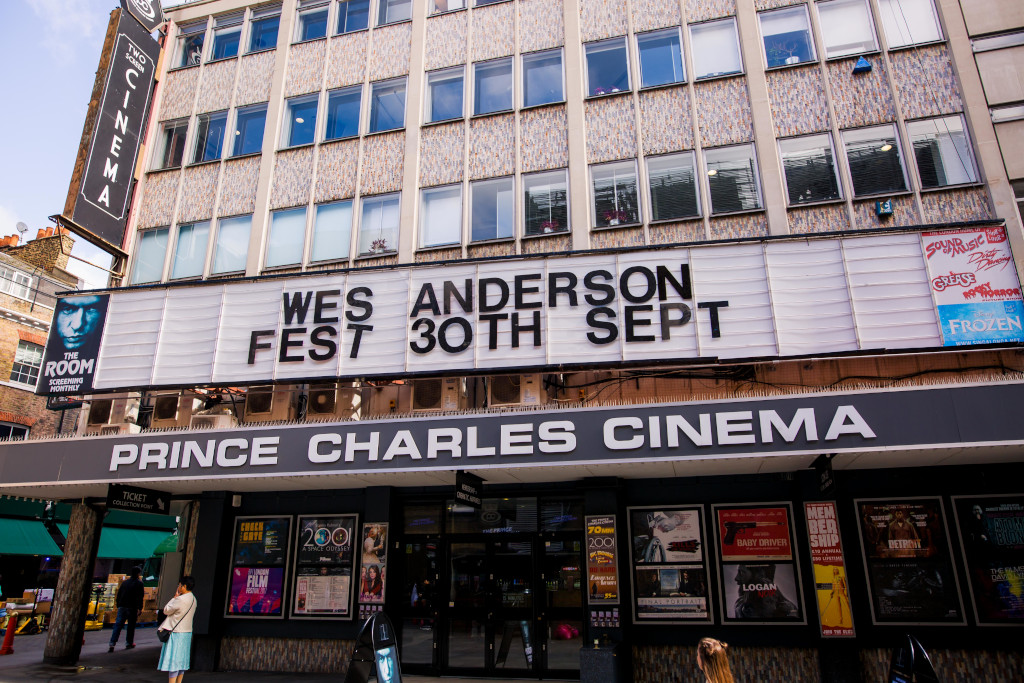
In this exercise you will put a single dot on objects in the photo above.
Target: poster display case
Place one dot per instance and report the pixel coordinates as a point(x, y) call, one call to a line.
point(259, 564)
point(992, 538)
point(324, 566)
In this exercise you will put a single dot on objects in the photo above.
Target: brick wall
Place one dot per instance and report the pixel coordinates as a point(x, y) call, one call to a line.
point(49, 251)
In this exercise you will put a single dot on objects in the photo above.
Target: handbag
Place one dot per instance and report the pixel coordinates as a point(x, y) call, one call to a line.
point(164, 634)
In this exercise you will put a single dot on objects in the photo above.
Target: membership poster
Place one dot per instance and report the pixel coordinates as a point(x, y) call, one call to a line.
point(669, 564)
point(259, 559)
point(992, 534)
point(831, 588)
point(602, 561)
point(324, 564)
point(907, 559)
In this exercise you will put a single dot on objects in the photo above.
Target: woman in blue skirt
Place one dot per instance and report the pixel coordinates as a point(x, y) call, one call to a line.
point(174, 655)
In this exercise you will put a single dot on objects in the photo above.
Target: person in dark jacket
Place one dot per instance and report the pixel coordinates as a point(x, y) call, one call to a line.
point(129, 606)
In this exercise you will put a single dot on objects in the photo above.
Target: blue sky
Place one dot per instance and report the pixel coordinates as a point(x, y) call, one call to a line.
point(49, 49)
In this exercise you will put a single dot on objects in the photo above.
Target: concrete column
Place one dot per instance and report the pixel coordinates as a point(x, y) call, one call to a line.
point(207, 561)
point(74, 586)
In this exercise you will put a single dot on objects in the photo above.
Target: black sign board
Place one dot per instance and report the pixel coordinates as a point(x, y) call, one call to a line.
point(468, 488)
point(147, 12)
point(376, 648)
point(63, 402)
point(69, 363)
point(134, 499)
point(911, 664)
point(826, 478)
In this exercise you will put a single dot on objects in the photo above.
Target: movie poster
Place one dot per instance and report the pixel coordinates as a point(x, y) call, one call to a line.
point(325, 558)
point(602, 560)
point(907, 559)
point(671, 592)
point(831, 588)
point(761, 592)
point(73, 345)
point(323, 591)
point(373, 570)
point(754, 533)
point(669, 564)
point(663, 535)
point(992, 537)
point(261, 541)
point(256, 591)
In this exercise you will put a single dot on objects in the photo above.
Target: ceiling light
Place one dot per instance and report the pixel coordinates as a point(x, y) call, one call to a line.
point(886, 147)
point(299, 119)
point(712, 172)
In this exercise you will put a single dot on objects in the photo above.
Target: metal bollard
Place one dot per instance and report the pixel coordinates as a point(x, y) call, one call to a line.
point(12, 626)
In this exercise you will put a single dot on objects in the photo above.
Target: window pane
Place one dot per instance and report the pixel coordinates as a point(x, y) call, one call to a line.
point(787, 37)
point(300, 121)
point(607, 69)
point(391, 11)
point(447, 5)
point(444, 95)
point(249, 131)
point(846, 27)
point(15, 283)
point(287, 235)
point(232, 244)
point(546, 205)
point(190, 45)
point(673, 187)
point(661, 58)
point(313, 24)
point(173, 144)
point(332, 231)
point(226, 35)
point(441, 219)
point(493, 209)
point(542, 78)
point(190, 251)
point(27, 360)
point(209, 137)
point(909, 22)
point(343, 113)
point(874, 158)
point(615, 197)
point(353, 15)
point(264, 33)
point(732, 179)
point(716, 50)
point(387, 106)
point(149, 256)
point(493, 87)
point(378, 227)
point(810, 169)
point(942, 152)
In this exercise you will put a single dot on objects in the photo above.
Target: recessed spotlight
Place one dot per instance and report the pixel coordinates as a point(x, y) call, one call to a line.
point(886, 147)
point(299, 119)
point(712, 172)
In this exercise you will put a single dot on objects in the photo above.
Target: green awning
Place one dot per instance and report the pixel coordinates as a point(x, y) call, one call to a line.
point(26, 537)
point(126, 544)
point(168, 545)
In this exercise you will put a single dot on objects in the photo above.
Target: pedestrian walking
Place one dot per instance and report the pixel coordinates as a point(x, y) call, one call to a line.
point(129, 606)
point(176, 651)
point(712, 660)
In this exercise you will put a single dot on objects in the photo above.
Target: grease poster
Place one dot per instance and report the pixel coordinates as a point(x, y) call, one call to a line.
point(831, 588)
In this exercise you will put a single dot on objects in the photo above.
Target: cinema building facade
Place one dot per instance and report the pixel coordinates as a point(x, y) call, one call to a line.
point(719, 301)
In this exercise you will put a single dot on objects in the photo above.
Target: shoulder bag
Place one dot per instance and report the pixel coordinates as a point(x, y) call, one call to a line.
point(164, 634)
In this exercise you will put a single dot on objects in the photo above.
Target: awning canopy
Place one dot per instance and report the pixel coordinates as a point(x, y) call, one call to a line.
point(126, 544)
point(168, 545)
point(26, 537)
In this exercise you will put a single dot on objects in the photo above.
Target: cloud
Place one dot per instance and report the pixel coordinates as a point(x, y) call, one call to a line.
point(68, 24)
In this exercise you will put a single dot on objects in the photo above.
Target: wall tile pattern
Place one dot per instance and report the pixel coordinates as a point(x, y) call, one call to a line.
point(860, 99)
point(494, 31)
point(179, 92)
point(604, 239)
point(383, 163)
point(797, 98)
point(957, 666)
point(494, 249)
point(389, 53)
point(347, 62)
point(701, 10)
point(217, 84)
point(541, 24)
point(492, 146)
point(674, 664)
point(904, 213)
point(336, 171)
point(970, 204)
point(438, 255)
point(603, 19)
point(158, 198)
point(736, 227)
point(305, 68)
point(925, 82)
point(652, 14)
point(772, 4)
point(238, 187)
point(299, 655)
point(198, 189)
point(446, 42)
point(442, 154)
point(255, 78)
point(545, 141)
point(673, 233)
point(374, 262)
point(611, 128)
point(293, 172)
point(829, 218)
point(547, 245)
point(723, 112)
point(666, 121)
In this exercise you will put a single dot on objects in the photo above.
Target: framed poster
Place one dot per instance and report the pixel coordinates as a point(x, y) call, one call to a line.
point(831, 588)
point(992, 538)
point(907, 562)
point(602, 560)
point(324, 566)
point(259, 563)
point(760, 579)
point(669, 565)
point(374, 563)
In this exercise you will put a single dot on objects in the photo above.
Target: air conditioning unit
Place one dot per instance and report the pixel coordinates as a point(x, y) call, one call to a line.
point(331, 401)
point(446, 393)
point(270, 404)
point(122, 428)
point(391, 398)
point(114, 411)
point(99, 411)
point(515, 390)
point(222, 421)
point(173, 410)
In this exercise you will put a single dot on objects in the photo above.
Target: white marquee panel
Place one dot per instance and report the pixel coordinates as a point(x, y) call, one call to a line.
point(130, 337)
point(188, 343)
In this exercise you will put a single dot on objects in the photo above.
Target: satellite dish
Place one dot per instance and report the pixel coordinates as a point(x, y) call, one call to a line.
point(22, 227)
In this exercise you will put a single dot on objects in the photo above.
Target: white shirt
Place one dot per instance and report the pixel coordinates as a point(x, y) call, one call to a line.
point(180, 611)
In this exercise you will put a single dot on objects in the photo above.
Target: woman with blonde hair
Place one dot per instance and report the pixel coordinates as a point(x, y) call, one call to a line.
point(712, 660)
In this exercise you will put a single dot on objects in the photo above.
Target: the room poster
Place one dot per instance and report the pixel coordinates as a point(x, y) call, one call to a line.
point(324, 565)
point(907, 560)
point(373, 569)
point(259, 562)
point(992, 536)
point(669, 565)
point(602, 560)
point(831, 588)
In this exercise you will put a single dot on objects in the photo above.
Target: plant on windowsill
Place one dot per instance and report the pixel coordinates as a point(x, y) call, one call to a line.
point(781, 53)
point(613, 217)
point(603, 91)
point(379, 246)
point(549, 226)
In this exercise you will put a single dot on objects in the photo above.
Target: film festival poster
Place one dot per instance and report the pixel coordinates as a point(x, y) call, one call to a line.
point(668, 559)
point(907, 560)
point(256, 591)
point(259, 559)
point(992, 538)
point(373, 564)
point(602, 560)
point(324, 566)
point(831, 588)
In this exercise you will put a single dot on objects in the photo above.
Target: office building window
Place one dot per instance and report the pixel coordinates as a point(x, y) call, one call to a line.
point(444, 95)
point(171, 148)
point(378, 224)
point(492, 86)
point(209, 144)
point(439, 6)
point(732, 179)
point(716, 49)
point(546, 202)
point(942, 151)
point(332, 231)
point(542, 78)
point(353, 15)
point(263, 28)
point(15, 283)
point(1018, 194)
point(673, 182)
point(481, 3)
point(810, 169)
point(846, 27)
point(12, 432)
point(249, 124)
point(287, 237)
point(390, 11)
point(27, 361)
point(615, 196)
point(787, 36)
point(190, 250)
point(909, 22)
point(343, 113)
point(607, 67)
point(312, 20)
point(441, 217)
point(151, 248)
point(492, 209)
point(661, 58)
point(227, 32)
point(874, 158)
point(232, 248)
point(387, 105)
point(190, 44)
point(299, 126)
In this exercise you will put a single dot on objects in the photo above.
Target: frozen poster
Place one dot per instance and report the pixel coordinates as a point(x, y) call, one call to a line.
point(256, 591)
point(992, 534)
point(666, 535)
